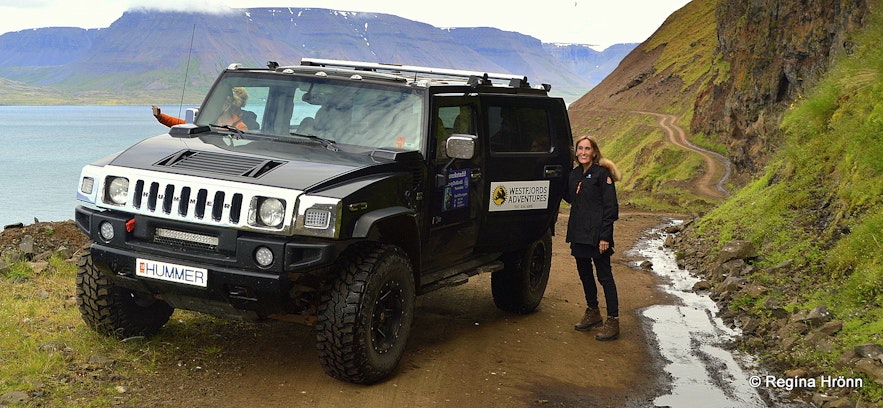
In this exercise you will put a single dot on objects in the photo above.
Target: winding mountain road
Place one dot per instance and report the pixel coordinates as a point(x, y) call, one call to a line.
point(718, 168)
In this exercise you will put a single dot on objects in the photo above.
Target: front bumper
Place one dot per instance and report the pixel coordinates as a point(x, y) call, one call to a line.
point(235, 283)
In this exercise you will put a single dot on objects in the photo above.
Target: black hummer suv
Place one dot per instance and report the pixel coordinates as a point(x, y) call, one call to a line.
point(353, 188)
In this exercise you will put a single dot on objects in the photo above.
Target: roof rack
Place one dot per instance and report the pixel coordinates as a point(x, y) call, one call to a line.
point(514, 80)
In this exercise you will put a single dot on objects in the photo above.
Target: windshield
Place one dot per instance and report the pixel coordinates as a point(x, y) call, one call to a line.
point(293, 107)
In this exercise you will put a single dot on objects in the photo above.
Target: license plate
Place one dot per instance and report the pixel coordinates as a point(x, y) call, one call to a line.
point(187, 275)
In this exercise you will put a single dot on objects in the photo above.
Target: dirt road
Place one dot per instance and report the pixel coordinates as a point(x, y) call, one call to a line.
point(463, 352)
point(711, 183)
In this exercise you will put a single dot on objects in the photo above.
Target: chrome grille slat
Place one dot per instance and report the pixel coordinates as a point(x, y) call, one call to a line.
point(178, 201)
point(193, 200)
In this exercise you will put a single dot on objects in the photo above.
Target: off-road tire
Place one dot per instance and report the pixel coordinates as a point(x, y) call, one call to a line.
point(115, 311)
point(365, 314)
point(520, 285)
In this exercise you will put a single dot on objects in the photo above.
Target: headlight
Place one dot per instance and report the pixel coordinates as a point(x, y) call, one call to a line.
point(118, 190)
point(266, 212)
point(272, 212)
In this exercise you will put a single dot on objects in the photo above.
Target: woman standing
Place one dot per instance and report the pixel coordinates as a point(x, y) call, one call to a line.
point(592, 195)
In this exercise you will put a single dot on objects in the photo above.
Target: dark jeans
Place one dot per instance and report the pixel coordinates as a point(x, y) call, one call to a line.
point(605, 278)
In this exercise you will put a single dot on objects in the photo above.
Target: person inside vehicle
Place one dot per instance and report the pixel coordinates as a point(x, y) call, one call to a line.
point(232, 113)
point(167, 120)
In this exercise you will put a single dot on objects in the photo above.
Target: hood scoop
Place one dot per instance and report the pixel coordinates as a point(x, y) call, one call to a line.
point(219, 163)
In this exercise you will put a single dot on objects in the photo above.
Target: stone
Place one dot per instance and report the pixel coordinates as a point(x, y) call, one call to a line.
point(27, 245)
point(818, 316)
point(756, 291)
point(733, 267)
point(13, 397)
point(872, 351)
point(730, 284)
point(737, 249)
point(871, 368)
point(820, 341)
point(840, 402)
point(831, 327)
point(701, 286)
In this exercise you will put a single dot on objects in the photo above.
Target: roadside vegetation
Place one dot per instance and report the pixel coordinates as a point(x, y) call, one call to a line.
point(48, 357)
point(819, 207)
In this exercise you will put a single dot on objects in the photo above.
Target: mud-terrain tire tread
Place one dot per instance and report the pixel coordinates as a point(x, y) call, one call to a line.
point(112, 310)
point(520, 285)
point(346, 320)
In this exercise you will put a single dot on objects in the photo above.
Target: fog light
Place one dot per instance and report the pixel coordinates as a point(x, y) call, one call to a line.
point(105, 230)
point(263, 256)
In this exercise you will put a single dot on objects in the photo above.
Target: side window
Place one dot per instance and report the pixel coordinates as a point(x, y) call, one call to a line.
point(519, 129)
point(452, 119)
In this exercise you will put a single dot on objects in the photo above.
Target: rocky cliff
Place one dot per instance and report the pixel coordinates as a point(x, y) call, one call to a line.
point(729, 69)
point(769, 52)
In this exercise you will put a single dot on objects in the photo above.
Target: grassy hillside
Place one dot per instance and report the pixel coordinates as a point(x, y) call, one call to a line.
point(819, 205)
point(662, 75)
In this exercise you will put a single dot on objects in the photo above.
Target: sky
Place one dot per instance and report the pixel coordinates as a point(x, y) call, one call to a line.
point(599, 23)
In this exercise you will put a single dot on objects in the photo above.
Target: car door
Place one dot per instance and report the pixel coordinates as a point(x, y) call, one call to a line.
point(527, 159)
point(456, 198)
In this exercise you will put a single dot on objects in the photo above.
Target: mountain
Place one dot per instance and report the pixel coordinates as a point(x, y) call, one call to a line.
point(588, 63)
point(146, 55)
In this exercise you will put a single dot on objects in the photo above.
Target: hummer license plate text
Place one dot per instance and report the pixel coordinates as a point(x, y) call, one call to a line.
point(187, 275)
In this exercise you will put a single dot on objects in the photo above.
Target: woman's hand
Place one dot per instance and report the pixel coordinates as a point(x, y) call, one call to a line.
point(603, 246)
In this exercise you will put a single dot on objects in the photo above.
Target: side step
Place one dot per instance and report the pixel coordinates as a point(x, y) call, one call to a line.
point(461, 278)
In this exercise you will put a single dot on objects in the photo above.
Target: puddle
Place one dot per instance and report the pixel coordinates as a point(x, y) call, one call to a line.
point(693, 341)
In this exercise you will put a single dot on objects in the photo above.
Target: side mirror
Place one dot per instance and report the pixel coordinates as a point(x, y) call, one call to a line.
point(460, 146)
point(457, 146)
point(190, 115)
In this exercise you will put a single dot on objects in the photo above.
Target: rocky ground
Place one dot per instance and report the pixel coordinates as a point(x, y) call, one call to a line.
point(784, 338)
point(37, 242)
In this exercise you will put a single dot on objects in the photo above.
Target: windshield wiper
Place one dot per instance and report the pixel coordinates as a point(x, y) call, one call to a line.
point(328, 143)
point(237, 131)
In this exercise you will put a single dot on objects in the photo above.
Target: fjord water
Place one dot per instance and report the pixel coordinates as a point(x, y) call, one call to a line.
point(43, 148)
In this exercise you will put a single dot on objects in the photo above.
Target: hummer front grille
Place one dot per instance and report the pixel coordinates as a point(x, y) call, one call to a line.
point(182, 201)
point(198, 200)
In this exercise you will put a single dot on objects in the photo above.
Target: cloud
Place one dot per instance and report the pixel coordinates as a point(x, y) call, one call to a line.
point(203, 6)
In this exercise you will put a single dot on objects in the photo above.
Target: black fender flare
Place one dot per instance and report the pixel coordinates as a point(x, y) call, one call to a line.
point(393, 225)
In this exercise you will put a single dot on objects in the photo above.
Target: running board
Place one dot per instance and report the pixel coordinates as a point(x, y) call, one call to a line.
point(461, 278)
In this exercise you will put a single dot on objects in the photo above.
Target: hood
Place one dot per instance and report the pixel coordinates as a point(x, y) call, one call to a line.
point(272, 163)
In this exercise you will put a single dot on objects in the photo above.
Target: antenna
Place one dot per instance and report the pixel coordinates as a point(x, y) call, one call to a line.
point(187, 70)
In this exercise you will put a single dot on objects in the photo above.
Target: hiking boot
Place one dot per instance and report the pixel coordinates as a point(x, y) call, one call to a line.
point(610, 331)
point(592, 318)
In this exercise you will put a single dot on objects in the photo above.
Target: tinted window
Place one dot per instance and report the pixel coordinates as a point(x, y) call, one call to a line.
point(519, 129)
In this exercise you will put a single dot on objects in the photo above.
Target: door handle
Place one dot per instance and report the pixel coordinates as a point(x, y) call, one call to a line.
point(553, 171)
point(475, 174)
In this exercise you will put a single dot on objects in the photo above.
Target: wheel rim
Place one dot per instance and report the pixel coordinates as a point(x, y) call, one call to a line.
point(388, 316)
point(537, 261)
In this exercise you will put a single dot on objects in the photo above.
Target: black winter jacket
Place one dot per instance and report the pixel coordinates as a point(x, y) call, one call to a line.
point(594, 208)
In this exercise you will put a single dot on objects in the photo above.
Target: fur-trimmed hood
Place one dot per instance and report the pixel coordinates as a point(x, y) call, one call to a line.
point(617, 176)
